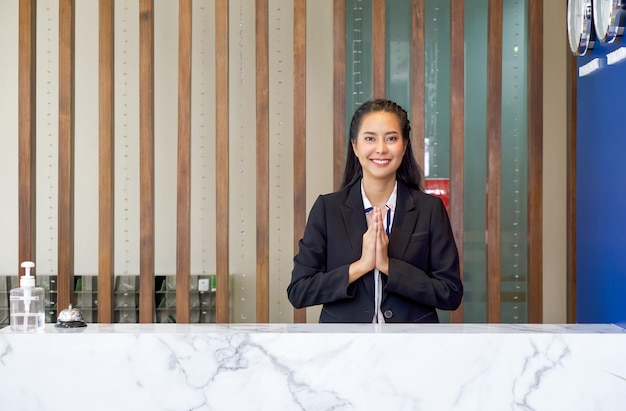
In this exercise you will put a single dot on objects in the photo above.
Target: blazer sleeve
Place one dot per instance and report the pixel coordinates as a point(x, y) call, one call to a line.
point(312, 281)
point(428, 273)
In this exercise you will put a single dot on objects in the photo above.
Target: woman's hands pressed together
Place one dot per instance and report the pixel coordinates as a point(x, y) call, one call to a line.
point(374, 249)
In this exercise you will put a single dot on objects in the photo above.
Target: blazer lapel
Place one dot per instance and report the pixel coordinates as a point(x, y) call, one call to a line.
point(404, 220)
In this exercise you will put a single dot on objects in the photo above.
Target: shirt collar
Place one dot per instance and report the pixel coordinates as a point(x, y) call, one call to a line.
point(391, 202)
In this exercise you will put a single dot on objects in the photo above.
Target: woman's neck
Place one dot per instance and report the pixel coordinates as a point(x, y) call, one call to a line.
point(378, 191)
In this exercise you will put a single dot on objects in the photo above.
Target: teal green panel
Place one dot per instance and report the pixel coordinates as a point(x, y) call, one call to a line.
point(437, 88)
point(514, 205)
point(436, 163)
point(475, 211)
point(358, 56)
point(398, 45)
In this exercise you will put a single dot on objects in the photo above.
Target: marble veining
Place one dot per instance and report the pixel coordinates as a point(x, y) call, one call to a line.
point(315, 367)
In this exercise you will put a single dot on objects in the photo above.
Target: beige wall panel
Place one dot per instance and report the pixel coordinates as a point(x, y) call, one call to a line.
point(165, 134)
point(47, 136)
point(319, 116)
point(242, 147)
point(203, 139)
point(126, 138)
point(555, 53)
point(86, 139)
point(281, 157)
point(9, 137)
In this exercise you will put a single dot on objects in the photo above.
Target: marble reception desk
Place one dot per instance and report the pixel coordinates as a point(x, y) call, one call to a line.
point(315, 367)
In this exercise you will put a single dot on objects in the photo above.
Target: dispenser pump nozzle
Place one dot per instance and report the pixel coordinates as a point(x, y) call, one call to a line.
point(27, 279)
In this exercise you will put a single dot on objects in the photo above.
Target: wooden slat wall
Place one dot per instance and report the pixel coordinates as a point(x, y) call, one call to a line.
point(27, 30)
point(262, 163)
point(221, 160)
point(106, 162)
point(146, 161)
point(339, 90)
point(535, 163)
point(379, 48)
point(27, 86)
point(457, 133)
point(494, 168)
point(299, 131)
point(417, 80)
point(65, 275)
point(183, 218)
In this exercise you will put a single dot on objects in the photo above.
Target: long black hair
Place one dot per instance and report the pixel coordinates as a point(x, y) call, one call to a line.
point(409, 171)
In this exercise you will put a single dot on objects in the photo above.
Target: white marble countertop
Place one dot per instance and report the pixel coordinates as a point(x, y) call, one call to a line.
point(337, 328)
point(315, 367)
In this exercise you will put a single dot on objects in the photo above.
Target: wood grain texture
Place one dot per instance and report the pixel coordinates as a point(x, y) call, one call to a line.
point(106, 153)
point(65, 275)
point(535, 163)
point(457, 133)
point(221, 161)
point(339, 91)
point(379, 49)
point(262, 162)
point(494, 150)
point(418, 81)
point(27, 86)
point(299, 131)
point(183, 205)
point(146, 161)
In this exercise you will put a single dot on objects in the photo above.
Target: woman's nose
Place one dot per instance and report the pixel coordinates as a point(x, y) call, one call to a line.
point(381, 147)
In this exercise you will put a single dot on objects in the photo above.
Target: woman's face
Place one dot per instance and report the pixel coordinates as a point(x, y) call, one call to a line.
point(379, 145)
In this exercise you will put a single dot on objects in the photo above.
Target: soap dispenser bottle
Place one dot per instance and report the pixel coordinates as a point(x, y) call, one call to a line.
point(27, 303)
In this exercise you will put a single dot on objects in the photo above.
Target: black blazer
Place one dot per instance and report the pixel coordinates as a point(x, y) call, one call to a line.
point(423, 260)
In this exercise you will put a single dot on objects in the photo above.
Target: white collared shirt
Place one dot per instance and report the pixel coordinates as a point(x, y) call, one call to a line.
point(387, 224)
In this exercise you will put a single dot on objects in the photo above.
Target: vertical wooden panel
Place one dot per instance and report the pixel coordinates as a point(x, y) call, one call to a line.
point(299, 131)
point(572, 87)
point(146, 161)
point(494, 144)
point(221, 159)
point(379, 49)
point(535, 163)
point(457, 132)
point(339, 90)
point(26, 129)
point(183, 210)
point(417, 80)
point(262, 163)
point(106, 162)
point(65, 276)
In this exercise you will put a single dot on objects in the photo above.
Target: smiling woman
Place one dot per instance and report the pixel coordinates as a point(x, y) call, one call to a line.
point(379, 249)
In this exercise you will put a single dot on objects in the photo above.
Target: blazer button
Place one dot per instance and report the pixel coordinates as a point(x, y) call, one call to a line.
point(388, 313)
